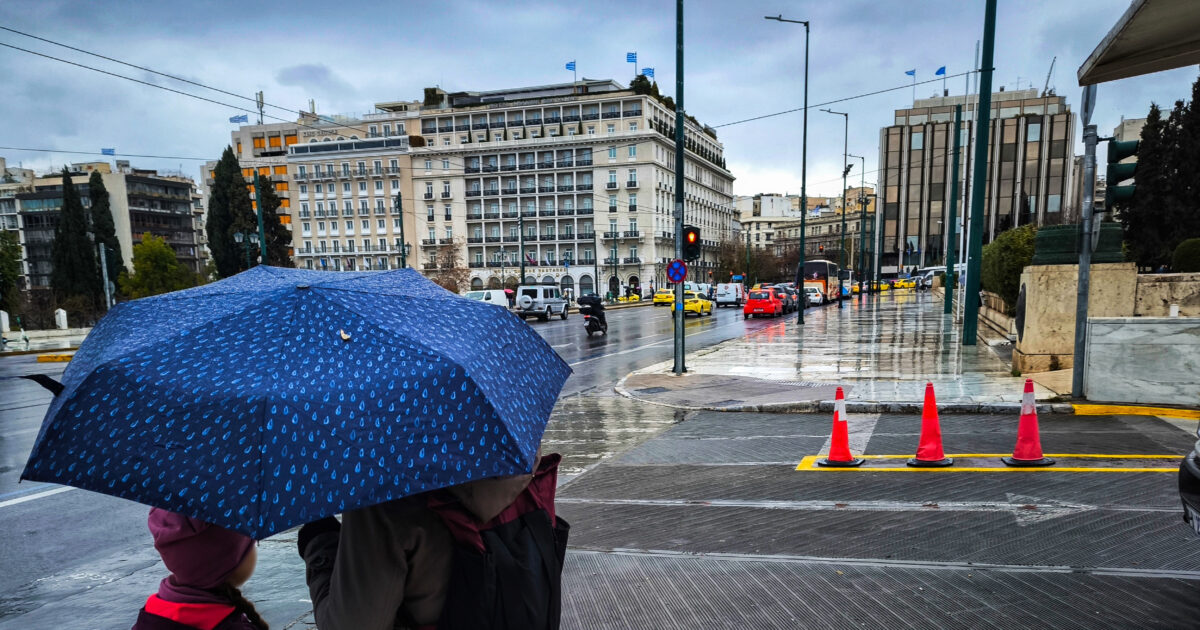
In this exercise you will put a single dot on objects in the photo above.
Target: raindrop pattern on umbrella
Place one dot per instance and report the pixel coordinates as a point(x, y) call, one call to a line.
point(252, 411)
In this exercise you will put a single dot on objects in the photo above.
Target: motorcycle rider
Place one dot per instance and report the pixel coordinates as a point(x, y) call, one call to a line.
point(595, 307)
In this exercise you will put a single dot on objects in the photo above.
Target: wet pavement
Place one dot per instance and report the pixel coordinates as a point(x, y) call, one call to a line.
point(880, 348)
point(710, 524)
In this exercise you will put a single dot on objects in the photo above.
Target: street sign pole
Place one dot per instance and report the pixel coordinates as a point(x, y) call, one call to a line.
point(680, 176)
point(1085, 242)
point(982, 128)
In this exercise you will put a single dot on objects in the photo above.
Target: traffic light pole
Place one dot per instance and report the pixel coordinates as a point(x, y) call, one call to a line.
point(1085, 260)
point(680, 175)
point(979, 177)
point(952, 220)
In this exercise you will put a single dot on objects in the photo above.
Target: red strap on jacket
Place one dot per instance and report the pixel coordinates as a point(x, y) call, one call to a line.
point(200, 616)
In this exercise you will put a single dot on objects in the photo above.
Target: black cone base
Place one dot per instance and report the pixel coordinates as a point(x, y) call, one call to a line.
point(933, 463)
point(834, 464)
point(1027, 463)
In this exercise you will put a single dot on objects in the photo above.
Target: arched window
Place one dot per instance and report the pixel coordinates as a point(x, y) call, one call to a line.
point(476, 284)
point(494, 283)
point(566, 283)
point(586, 285)
point(548, 280)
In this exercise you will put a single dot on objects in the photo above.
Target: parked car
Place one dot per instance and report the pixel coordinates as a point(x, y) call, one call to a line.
point(541, 301)
point(731, 294)
point(491, 296)
point(696, 302)
point(1189, 487)
point(762, 302)
point(790, 300)
point(813, 294)
point(664, 297)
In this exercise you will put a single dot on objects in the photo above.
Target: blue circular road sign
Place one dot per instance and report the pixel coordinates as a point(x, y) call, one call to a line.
point(677, 270)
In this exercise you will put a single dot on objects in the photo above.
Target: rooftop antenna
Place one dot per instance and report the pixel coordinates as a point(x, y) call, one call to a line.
point(1046, 87)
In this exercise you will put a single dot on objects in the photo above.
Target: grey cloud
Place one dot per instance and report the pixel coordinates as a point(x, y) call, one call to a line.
point(314, 76)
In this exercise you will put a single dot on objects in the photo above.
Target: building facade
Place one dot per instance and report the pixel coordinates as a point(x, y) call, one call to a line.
point(576, 180)
point(15, 181)
point(823, 236)
point(140, 200)
point(1029, 172)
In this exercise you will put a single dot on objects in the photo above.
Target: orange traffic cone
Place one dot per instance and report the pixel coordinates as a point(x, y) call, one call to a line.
point(929, 451)
point(1028, 451)
point(839, 447)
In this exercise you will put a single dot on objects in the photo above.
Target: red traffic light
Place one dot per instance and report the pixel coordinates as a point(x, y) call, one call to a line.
point(691, 237)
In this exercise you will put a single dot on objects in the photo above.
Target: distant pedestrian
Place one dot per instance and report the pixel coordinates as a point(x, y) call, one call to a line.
point(1162, 269)
point(208, 564)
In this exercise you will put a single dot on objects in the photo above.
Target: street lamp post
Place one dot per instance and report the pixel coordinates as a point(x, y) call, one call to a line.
point(403, 243)
point(862, 221)
point(246, 240)
point(803, 170)
point(845, 171)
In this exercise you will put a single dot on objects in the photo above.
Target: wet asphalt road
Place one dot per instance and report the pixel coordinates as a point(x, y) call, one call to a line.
point(65, 549)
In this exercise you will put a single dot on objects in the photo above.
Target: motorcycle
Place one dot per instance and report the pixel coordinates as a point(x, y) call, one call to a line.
point(592, 324)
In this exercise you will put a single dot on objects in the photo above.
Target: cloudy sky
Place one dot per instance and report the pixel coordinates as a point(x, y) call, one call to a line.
point(349, 55)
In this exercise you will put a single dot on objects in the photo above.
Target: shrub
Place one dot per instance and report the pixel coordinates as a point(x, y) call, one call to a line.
point(1003, 261)
point(1187, 257)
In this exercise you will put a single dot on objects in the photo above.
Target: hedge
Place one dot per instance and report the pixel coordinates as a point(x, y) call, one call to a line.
point(1187, 257)
point(1003, 261)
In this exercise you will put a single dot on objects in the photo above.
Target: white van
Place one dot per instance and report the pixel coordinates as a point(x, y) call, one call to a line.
point(731, 294)
point(491, 296)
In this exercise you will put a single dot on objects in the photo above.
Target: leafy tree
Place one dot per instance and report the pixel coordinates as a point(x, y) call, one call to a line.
point(1003, 261)
point(155, 270)
point(279, 238)
point(103, 228)
point(76, 274)
point(228, 212)
point(10, 271)
point(640, 84)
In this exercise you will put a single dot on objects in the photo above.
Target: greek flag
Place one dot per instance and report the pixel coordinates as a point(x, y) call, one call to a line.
point(648, 72)
point(108, 151)
point(239, 119)
point(940, 71)
point(911, 73)
point(631, 57)
point(570, 66)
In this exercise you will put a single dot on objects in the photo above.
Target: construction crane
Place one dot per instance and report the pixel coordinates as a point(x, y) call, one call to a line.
point(1046, 87)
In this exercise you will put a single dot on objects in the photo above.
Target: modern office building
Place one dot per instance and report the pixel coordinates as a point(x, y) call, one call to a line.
point(140, 200)
point(575, 179)
point(1029, 171)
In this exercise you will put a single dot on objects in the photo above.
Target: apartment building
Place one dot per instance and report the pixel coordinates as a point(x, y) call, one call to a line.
point(576, 180)
point(823, 235)
point(760, 214)
point(14, 181)
point(1029, 171)
point(140, 200)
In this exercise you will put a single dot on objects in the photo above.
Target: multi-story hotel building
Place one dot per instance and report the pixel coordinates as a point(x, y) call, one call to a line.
point(580, 176)
point(1029, 171)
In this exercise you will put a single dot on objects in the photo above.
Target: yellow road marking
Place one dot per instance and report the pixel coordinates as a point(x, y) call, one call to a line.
point(54, 358)
point(1130, 410)
point(810, 463)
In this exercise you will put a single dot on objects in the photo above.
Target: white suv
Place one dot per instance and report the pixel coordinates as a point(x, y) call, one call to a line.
point(540, 300)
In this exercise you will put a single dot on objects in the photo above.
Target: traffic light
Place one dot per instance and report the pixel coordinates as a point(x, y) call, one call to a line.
point(1118, 172)
point(691, 242)
point(821, 248)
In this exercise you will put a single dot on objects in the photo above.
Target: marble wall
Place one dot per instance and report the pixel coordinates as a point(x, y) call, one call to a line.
point(1157, 292)
point(1047, 338)
point(1148, 360)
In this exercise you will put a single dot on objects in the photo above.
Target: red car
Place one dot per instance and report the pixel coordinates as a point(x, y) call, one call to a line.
point(762, 302)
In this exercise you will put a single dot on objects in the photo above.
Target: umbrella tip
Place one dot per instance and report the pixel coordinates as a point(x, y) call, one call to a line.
point(345, 335)
point(301, 286)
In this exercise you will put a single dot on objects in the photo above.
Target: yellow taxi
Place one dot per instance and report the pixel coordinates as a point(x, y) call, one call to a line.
point(629, 300)
point(694, 302)
point(885, 286)
point(856, 288)
point(906, 283)
point(664, 297)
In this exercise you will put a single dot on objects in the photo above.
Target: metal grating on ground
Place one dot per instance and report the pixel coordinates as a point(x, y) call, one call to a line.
point(605, 590)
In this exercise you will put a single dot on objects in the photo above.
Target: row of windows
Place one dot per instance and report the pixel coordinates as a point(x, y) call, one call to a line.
point(380, 225)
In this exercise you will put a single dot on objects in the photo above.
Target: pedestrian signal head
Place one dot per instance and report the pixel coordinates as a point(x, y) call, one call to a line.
point(691, 242)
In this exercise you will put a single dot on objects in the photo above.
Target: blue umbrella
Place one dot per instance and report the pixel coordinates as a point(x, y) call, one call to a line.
point(280, 396)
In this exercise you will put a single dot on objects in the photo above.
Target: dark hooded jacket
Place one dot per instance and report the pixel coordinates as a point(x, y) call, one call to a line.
point(390, 565)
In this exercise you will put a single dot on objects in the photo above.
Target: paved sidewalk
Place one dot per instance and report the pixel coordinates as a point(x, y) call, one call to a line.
point(881, 350)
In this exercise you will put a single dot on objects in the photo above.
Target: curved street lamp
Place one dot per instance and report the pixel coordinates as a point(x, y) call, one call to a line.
point(246, 240)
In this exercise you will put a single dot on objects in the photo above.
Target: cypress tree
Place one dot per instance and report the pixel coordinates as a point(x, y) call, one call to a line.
point(76, 275)
point(228, 212)
point(279, 238)
point(103, 228)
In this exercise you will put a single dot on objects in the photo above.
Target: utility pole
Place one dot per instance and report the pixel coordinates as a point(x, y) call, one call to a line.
point(983, 127)
point(803, 174)
point(680, 175)
point(862, 223)
point(952, 220)
point(262, 233)
point(1085, 241)
point(521, 238)
point(845, 171)
point(403, 243)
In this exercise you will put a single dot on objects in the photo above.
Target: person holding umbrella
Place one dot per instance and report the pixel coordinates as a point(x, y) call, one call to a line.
point(279, 397)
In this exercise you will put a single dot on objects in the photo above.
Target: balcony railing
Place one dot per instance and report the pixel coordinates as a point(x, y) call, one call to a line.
point(491, 215)
point(591, 116)
point(612, 208)
point(633, 233)
point(472, 240)
point(528, 166)
point(445, 195)
point(631, 183)
point(607, 115)
point(533, 121)
point(583, 187)
point(612, 234)
point(584, 211)
point(462, 127)
point(546, 189)
point(495, 263)
point(445, 241)
point(511, 239)
point(529, 213)
point(566, 212)
point(510, 191)
point(479, 126)
point(445, 129)
point(566, 163)
point(429, 195)
point(583, 162)
point(631, 112)
point(491, 192)
point(546, 212)
point(471, 169)
point(490, 168)
point(572, 118)
point(586, 236)
point(632, 260)
point(475, 264)
point(515, 123)
point(566, 236)
point(544, 164)
point(548, 237)
point(511, 214)
point(611, 185)
point(633, 207)
point(566, 187)
point(508, 167)
point(611, 261)
point(528, 190)
point(492, 239)
point(426, 241)
point(474, 193)
point(471, 216)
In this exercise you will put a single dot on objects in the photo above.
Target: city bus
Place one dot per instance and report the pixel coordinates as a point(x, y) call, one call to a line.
point(823, 275)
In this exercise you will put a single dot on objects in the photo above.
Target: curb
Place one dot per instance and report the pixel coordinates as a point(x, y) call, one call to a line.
point(19, 353)
point(826, 406)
